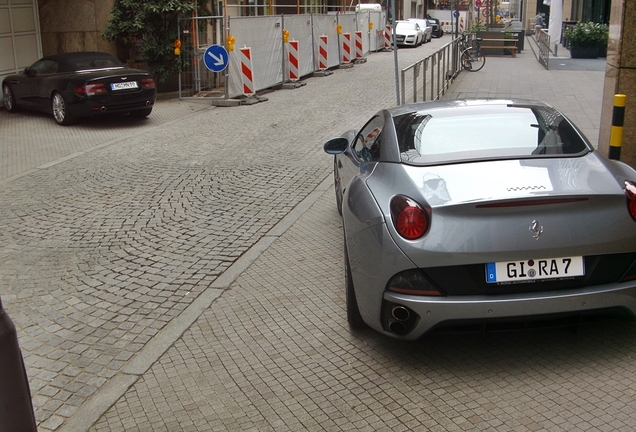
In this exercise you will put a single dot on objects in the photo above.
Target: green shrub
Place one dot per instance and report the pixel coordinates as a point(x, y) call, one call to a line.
point(152, 24)
point(474, 28)
point(586, 35)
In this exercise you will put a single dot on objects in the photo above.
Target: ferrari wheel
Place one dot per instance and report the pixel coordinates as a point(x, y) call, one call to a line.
point(61, 114)
point(353, 313)
point(9, 99)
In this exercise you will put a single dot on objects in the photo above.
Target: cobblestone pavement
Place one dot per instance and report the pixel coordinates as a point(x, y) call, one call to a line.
point(187, 275)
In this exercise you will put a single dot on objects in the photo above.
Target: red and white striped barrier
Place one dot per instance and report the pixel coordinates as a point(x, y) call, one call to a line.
point(293, 60)
point(246, 71)
point(323, 52)
point(461, 24)
point(358, 44)
point(346, 48)
point(388, 36)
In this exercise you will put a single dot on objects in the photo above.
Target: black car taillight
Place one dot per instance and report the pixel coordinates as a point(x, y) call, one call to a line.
point(413, 282)
point(147, 83)
point(409, 218)
point(91, 89)
point(630, 193)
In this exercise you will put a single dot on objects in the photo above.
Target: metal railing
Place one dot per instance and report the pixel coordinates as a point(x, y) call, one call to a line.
point(430, 77)
point(544, 48)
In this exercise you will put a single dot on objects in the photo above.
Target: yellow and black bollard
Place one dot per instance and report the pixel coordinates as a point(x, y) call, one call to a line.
point(618, 118)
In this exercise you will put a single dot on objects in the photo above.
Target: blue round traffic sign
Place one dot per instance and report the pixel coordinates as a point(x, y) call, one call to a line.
point(456, 14)
point(215, 58)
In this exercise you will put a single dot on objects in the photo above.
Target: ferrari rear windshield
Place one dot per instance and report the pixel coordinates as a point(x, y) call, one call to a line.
point(486, 132)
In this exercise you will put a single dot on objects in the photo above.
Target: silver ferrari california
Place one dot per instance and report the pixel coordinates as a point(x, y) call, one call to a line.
point(478, 212)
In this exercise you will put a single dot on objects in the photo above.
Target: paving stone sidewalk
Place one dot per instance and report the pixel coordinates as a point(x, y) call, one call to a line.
point(154, 291)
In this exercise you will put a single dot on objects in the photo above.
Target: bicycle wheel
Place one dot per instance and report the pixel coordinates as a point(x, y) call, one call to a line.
point(472, 60)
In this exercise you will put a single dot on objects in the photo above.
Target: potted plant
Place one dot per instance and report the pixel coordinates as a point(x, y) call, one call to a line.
point(584, 39)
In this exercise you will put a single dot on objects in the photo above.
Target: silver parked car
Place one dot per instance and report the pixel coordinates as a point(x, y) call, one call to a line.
point(426, 28)
point(480, 211)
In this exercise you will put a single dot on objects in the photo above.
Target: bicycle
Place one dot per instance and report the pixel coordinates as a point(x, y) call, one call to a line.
point(472, 59)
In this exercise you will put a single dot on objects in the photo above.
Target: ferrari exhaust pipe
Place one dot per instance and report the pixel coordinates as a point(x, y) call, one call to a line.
point(400, 313)
point(102, 109)
point(397, 327)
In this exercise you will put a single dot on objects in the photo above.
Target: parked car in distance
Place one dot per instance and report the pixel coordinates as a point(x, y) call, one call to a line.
point(373, 7)
point(408, 33)
point(438, 32)
point(425, 26)
point(80, 84)
point(449, 223)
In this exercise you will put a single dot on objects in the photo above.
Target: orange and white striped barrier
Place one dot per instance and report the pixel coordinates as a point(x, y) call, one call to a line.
point(294, 75)
point(323, 52)
point(346, 48)
point(358, 44)
point(388, 36)
point(247, 76)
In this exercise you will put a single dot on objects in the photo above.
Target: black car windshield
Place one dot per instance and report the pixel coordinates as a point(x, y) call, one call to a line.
point(486, 132)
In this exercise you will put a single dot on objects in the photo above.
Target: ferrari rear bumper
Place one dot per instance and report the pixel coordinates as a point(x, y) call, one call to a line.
point(426, 313)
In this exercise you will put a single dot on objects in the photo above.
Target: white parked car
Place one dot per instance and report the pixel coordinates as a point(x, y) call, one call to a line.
point(426, 28)
point(408, 33)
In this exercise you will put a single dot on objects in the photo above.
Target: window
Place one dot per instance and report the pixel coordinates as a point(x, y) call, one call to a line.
point(44, 67)
point(486, 132)
point(367, 143)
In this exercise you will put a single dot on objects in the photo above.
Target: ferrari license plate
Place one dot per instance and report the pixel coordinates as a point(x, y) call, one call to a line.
point(124, 85)
point(531, 270)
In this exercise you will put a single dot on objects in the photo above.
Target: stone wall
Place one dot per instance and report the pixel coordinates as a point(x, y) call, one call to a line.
point(74, 25)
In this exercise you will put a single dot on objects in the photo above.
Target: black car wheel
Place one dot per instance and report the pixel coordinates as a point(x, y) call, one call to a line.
point(353, 313)
point(9, 99)
point(61, 113)
point(142, 113)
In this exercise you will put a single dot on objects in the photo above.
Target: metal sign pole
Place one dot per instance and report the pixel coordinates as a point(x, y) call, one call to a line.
point(395, 53)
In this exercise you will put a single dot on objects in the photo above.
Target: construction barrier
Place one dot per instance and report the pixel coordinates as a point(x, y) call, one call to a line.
point(294, 74)
point(346, 48)
point(323, 53)
point(326, 25)
point(388, 36)
point(358, 44)
point(301, 29)
point(247, 77)
point(319, 47)
point(263, 35)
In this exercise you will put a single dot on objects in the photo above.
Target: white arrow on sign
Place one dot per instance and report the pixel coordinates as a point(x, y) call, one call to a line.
point(219, 61)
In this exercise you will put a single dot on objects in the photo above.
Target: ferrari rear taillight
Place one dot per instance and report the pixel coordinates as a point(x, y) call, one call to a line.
point(413, 282)
point(630, 192)
point(147, 83)
point(409, 218)
point(91, 89)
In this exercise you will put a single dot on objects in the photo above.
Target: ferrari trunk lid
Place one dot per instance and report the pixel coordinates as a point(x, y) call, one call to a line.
point(511, 209)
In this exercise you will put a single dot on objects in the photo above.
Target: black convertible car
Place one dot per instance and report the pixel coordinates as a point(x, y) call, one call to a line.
point(80, 84)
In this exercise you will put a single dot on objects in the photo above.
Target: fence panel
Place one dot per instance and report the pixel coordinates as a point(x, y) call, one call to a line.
point(264, 36)
point(196, 34)
point(300, 29)
point(326, 25)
